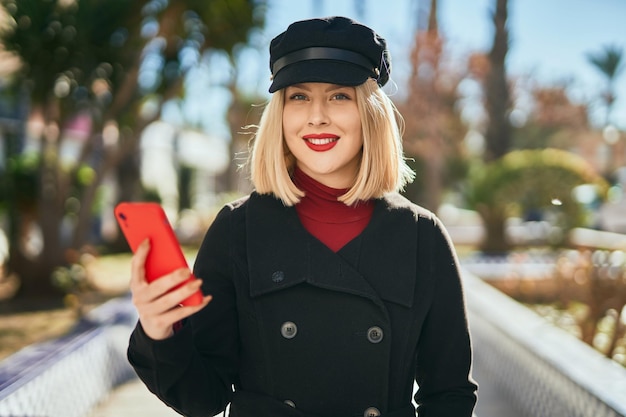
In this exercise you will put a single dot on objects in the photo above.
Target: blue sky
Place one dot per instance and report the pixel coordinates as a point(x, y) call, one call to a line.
point(549, 38)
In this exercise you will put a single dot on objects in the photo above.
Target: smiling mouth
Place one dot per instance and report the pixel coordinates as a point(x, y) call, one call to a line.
point(320, 143)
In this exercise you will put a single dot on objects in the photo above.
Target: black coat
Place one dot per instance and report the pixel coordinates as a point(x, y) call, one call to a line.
point(302, 331)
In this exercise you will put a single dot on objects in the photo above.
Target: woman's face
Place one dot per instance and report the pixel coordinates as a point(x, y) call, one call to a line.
point(322, 129)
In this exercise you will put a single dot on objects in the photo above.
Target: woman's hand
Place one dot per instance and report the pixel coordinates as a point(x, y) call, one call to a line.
point(157, 304)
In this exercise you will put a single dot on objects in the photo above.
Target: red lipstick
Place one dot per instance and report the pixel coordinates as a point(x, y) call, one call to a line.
point(321, 142)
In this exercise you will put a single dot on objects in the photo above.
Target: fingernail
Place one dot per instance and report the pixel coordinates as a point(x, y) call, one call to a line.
point(184, 273)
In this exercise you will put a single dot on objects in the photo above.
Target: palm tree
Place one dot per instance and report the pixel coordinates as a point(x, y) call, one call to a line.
point(497, 95)
point(609, 63)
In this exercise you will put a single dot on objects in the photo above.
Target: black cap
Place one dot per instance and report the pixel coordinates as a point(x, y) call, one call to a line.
point(333, 50)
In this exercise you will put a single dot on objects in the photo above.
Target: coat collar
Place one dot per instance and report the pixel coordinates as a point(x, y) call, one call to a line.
point(380, 264)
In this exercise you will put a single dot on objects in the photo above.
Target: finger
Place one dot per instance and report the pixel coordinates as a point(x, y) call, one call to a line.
point(161, 286)
point(181, 312)
point(175, 297)
point(162, 295)
point(160, 326)
point(138, 262)
point(168, 282)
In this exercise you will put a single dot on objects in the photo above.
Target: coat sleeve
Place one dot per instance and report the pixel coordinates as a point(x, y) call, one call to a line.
point(194, 370)
point(444, 354)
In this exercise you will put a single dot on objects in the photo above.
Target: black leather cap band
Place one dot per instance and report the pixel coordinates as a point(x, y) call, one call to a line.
point(323, 53)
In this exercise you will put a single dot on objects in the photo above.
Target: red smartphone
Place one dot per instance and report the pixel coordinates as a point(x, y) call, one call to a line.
point(145, 220)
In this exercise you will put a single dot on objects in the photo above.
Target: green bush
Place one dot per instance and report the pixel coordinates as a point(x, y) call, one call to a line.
point(530, 180)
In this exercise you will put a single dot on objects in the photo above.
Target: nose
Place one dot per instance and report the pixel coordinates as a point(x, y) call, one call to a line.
point(318, 114)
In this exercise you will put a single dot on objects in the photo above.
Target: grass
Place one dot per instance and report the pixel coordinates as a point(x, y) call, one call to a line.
point(19, 330)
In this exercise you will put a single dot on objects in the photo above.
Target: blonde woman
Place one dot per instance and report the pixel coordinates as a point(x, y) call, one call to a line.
point(327, 293)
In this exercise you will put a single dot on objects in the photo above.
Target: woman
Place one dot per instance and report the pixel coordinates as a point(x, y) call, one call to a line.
point(328, 294)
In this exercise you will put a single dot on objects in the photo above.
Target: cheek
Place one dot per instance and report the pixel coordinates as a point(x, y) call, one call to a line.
point(352, 122)
point(358, 134)
point(290, 122)
point(290, 137)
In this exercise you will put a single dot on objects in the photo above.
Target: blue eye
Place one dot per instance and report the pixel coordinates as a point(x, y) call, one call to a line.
point(341, 96)
point(297, 96)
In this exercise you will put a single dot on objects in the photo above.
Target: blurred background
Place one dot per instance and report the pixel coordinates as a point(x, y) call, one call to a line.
point(515, 116)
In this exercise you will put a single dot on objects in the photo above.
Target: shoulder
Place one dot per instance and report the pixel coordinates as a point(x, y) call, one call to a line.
point(402, 210)
point(408, 217)
point(230, 214)
point(255, 200)
point(239, 209)
point(236, 204)
point(397, 202)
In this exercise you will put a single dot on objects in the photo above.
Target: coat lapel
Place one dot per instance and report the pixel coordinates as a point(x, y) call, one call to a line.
point(388, 252)
point(380, 264)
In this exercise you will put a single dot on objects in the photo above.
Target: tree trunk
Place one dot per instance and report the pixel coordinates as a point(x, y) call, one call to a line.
point(497, 96)
point(34, 272)
point(495, 240)
point(434, 166)
point(35, 277)
point(45, 211)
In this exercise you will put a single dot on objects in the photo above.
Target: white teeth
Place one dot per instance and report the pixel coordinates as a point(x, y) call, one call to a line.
point(322, 141)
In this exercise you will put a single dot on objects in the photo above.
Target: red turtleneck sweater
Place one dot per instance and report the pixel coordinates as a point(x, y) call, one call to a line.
point(329, 220)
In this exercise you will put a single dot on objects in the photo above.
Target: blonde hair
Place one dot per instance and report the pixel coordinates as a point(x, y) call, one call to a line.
point(383, 167)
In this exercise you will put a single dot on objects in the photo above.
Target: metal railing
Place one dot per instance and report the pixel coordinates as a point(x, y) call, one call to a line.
point(68, 376)
point(543, 370)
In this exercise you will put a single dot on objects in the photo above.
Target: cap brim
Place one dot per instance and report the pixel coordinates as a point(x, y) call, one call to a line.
point(333, 72)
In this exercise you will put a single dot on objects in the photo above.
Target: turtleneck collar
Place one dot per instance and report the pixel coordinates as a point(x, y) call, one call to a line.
point(321, 203)
point(328, 219)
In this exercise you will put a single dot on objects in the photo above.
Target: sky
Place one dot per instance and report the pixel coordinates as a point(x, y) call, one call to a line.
point(550, 39)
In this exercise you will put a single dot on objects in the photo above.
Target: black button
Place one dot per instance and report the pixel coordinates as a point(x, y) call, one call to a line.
point(278, 276)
